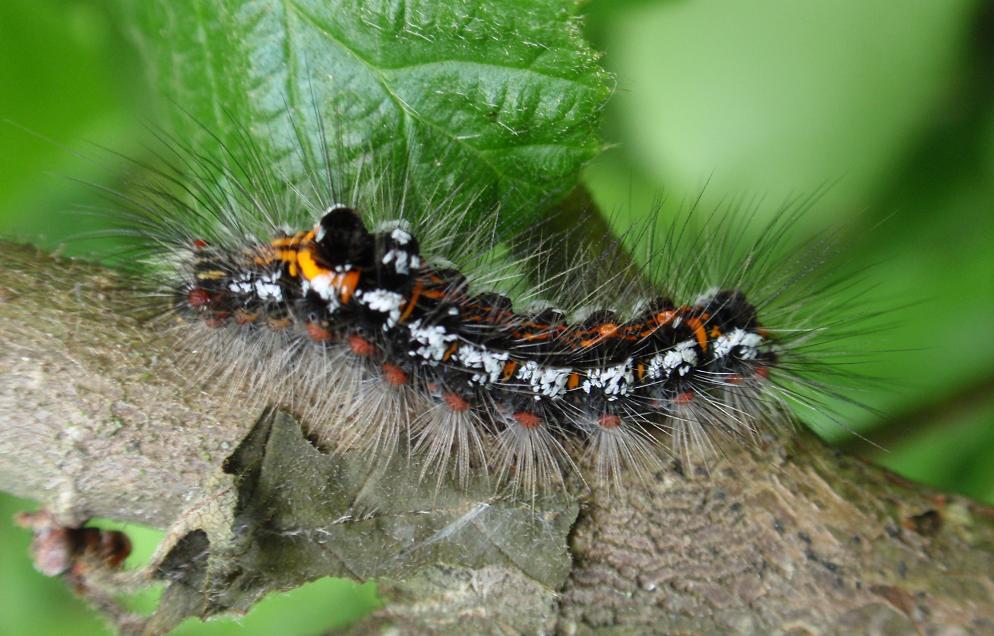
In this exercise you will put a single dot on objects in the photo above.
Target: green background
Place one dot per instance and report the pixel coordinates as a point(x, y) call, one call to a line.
point(889, 102)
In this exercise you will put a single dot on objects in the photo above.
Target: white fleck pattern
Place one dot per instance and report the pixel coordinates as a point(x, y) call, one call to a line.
point(330, 301)
point(434, 340)
point(399, 235)
point(681, 357)
point(266, 287)
point(491, 363)
point(545, 381)
point(383, 301)
point(241, 285)
point(616, 380)
point(268, 290)
point(325, 287)
point(402, 260)
point(747, 342)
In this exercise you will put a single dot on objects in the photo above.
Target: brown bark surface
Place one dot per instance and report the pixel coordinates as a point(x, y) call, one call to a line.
point(98, 418)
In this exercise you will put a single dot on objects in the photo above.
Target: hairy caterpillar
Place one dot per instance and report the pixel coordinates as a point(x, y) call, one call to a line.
point(388, 325)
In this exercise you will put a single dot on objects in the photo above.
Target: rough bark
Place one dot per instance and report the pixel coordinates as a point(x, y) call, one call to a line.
point(98, 418)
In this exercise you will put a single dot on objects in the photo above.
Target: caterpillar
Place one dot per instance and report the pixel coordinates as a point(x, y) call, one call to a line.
point(390, 326)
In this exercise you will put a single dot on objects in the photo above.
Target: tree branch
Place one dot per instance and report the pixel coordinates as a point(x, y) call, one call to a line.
point(100, 420)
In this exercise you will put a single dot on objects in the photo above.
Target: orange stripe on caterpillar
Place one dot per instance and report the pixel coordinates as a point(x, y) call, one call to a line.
point(573, 381)
point(450, 351)
point(507, 372)
point(604, 332)
point(412, 302)
point(345, 282)
point(700, 333)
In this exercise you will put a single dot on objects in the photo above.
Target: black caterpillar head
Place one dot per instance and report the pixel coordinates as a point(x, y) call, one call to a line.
point(342, 239)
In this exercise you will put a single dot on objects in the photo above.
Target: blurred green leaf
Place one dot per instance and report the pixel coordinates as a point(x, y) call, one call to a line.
point(955, 455)
point(496, 101)
point(773, 97)
point(61, 79)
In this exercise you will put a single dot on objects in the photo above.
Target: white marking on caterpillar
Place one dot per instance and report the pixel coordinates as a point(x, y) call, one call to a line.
point(383, 301)
point(747, 341)
point(545, 381)
point(241, 285)
point(706, 297)
point(682, 357)
point(616, 380)
point(400, 236)
point(324, 286)
point(490, 362)
point(266, 287)
point(402, 260)
point(434, 338)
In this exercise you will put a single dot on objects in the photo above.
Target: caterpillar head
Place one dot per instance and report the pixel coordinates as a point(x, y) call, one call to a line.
point(341, 238)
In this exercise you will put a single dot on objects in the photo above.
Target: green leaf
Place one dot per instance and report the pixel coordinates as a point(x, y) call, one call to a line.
point(62, 79)
point(498, 102)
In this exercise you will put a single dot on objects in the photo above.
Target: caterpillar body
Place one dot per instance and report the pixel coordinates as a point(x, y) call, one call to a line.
point(386, 333)
point(478, 366)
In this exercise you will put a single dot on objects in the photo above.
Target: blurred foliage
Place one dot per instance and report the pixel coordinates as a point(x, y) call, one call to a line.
point(767, 98)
